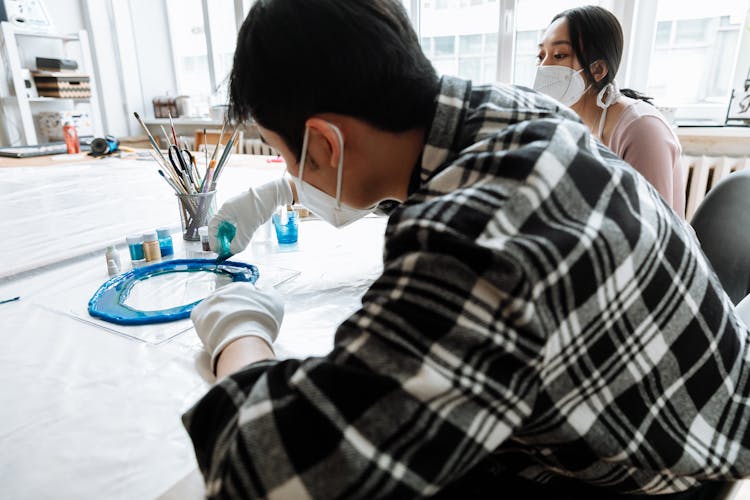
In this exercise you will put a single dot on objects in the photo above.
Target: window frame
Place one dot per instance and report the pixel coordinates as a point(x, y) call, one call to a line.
point(638, 19)
point(239, 7)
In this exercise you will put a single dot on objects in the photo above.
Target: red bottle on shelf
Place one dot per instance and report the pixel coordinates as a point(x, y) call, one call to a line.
point(71, 138)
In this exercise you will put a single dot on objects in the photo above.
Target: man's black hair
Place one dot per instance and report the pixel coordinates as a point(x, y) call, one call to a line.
point(360, 58)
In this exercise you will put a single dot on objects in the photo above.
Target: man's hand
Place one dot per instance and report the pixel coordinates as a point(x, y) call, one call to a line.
point(247, 212)
point(236, 311)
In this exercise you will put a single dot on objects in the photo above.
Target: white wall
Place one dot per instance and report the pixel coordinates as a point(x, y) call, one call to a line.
point(66, 15)
point(153, 48)
point(132, 49)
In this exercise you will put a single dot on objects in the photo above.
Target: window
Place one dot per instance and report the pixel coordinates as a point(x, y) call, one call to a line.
point(445, 46)
point(223, 37)
point(682, 53)
point(460, 37)
point(189, 48)
point(694, 54)
point(685, 59)
point(203, 34)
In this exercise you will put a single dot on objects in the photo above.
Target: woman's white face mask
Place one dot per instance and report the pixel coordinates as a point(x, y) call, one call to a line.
point(325, 206)
point(561, 83)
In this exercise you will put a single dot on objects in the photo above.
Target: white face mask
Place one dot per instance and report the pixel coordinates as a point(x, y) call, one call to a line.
point(325, 206)
point(561, 83)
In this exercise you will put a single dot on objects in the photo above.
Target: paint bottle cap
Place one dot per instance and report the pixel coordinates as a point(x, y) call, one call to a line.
point(162, 232)
point(150, 236)
point(134, 239)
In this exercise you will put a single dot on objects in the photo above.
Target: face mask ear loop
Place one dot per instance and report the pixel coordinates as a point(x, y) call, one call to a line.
point(614, 93)
point(303, 156)
point(340, 173)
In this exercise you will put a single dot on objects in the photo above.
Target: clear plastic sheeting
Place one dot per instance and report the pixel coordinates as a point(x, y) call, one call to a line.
point(61, 212)
point(174, 289)
point(97, 414)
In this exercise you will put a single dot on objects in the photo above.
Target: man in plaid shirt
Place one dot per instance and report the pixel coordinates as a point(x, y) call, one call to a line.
point(544, 325)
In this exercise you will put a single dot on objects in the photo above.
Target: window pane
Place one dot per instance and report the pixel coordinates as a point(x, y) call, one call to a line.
point(224, 39)
point(525, 58)
point(490, 42)
point(532, 19)
point(694, 67)
point(444, 45)
point(663, 32)
point(470, 44)
point(692, 30)
point(189, 46)
point(470, 67)
point(426, 46)
point(464, 35)
point(489, 69)
point(407, 7)
point(726, 41)
point(246, 5)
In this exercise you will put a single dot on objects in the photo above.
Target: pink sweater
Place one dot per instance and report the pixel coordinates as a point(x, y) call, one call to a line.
point(643, 138)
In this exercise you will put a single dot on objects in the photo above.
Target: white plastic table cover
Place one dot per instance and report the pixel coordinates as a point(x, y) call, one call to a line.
point(85, 413)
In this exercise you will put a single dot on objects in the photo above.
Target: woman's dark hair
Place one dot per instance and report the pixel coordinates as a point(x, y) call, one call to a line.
point(361, 58)
point(596, 35)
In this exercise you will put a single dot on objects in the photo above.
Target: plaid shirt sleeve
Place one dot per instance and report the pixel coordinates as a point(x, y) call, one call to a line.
point(539, 305)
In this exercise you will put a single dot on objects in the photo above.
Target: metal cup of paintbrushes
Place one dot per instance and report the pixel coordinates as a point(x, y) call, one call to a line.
point(196, 209)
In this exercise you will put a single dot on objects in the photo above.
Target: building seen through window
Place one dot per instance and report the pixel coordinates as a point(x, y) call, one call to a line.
point(694, 51)
point(690, 54)
point(460, 37)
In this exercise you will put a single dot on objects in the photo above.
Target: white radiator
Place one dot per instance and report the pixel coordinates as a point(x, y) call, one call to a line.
point(258, 147)
point(703, 172)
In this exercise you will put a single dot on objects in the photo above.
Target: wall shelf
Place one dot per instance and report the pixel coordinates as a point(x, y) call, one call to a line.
point(11, 39)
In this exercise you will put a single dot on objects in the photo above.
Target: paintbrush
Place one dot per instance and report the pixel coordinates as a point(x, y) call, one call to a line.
point(171, 123)
point(150, 137)
point(218, 143)
point(224, 158)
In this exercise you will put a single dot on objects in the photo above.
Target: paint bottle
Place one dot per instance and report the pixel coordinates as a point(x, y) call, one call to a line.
point(151, 247)
point(71, 138)
point(135, 246)
point(113, 260)
point(203, 233)
point(165, 242)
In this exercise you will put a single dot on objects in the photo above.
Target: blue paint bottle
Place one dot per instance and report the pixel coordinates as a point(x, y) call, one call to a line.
point(135, 246)
point(165, 242)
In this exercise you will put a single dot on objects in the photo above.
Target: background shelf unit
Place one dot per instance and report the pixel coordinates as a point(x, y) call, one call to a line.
point(22, 106)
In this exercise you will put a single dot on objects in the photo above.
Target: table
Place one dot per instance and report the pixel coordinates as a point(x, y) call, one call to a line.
point(86, 413)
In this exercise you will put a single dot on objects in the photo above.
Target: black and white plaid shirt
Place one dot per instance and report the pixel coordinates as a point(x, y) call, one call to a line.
point(540, 306)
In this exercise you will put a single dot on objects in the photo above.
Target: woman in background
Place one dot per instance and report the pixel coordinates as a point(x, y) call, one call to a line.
point(578, 59)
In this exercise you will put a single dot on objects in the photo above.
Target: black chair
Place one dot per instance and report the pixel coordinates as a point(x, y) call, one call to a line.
point(722, 225)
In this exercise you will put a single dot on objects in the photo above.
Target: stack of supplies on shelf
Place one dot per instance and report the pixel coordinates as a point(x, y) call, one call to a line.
point(64, 85)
